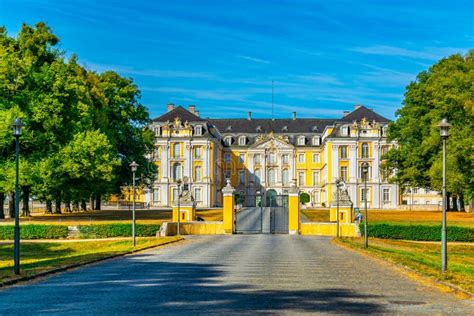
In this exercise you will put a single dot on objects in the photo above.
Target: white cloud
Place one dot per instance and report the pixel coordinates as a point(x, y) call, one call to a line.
point(254, 59)
point(429, 53)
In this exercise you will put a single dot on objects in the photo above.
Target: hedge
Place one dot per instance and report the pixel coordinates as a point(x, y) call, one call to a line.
point(117, 230)
point(418, 232)
point(35, 231)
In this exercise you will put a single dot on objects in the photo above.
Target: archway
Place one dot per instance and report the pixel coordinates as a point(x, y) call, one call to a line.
point(271, 197)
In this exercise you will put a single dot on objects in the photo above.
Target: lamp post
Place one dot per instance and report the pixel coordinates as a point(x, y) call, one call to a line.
point(258, 193)
point(179, 210)
point(134, 167)
point(338, 185)
point(17, 131)
point(365, 171)
point(444, 133)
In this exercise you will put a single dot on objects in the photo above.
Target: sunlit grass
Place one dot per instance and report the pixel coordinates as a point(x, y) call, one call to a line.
point(424, 257)
point(42, 256)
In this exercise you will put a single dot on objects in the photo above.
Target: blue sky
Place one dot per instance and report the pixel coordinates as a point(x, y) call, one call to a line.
point(323, 56)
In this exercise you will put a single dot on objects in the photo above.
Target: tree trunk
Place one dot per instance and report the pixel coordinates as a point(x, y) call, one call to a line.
point(11, 204)
point(97, 202)
point(448, 205)
point(2, 202)
point(91, 201)
point(26, 200)
point(67, 205)
point(462, 207)
point(49, 207)
point(75, 206)
point(83, 205)
point(455, 203)
point(57, 206)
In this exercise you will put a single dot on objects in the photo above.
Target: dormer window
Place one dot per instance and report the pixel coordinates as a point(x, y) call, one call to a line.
point(301, 140)
point(316, 141)
point(228, 140)
point(198, 130)
point(157, 130)
point(242, 140)
point(345, 131)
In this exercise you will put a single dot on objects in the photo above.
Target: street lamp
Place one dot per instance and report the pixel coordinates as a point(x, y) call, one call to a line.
point(259, 194)
point(17, 131)
point(444, 133)
point(134, 167)
point(338, 186)
point(365, 171)
point(179, 210)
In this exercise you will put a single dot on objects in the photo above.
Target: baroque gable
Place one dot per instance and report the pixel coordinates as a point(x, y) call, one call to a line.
point(271, 141)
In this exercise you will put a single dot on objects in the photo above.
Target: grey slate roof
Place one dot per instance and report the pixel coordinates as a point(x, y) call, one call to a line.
point(303, 125)
point(362, 112)
point(180, 112)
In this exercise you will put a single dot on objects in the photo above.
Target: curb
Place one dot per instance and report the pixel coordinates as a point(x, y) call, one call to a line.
point(435, 282)
point(77, 265)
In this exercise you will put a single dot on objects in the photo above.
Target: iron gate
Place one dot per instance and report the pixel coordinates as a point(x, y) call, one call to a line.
point(249, 219)
point(278, 214)
point(262, 214)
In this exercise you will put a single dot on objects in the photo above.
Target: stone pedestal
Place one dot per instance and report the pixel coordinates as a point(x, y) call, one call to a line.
point(293, 211)
point(228, 208)
point(186, 210)
point(345, 207)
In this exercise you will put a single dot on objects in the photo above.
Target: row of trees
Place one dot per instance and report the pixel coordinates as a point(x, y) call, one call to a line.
point(445, 90)
point(82, 128)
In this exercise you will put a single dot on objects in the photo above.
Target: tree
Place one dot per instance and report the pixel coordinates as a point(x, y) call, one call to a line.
point(445, 90)
point(304, 198)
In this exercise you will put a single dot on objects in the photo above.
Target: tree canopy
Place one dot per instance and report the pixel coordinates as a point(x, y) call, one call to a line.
point(81, 128)
point(445, 90)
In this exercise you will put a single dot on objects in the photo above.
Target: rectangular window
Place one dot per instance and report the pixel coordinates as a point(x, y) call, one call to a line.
point(343, 152)
point(285, 158)
point(415, 190)
point(365, 194)
point(257, 158)
point(242, 158)
point(197, 173)
point(157, 131)
point(271, 158)
point(300, 158)
point(228, 140)
point(301, 178)
point(386, 195)
point(197, 152)
point(316, 141)
point(343, 173)
point(315, 177)
point(242, 141)
point(365, 150)
point(156, 195)
point(175, 194)
point(227, 158)
point(197, 194)
point(316, 157)
point(301, 140)
point(242, 177)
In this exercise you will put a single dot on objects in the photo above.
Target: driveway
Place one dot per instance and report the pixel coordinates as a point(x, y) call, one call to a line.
point(233, 274)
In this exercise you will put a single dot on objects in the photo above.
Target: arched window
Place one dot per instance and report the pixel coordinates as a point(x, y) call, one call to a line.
point(257, 176)
point(271, 177)
point(365, 150)
point(176, 171)
point(177, 150)
point(285, 177)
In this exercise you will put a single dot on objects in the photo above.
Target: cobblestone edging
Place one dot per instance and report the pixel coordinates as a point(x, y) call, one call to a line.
point(77, 265)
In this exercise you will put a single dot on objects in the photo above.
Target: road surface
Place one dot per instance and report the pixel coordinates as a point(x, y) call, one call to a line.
point(233, 274)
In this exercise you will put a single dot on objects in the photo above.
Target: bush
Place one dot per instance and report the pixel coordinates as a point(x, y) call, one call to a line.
point(418, 232)
point(35, 231)
point(117, 230)
point(304, 198)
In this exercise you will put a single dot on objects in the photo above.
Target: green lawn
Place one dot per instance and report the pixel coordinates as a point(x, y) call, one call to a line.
point(424, 258)
point(41, 256)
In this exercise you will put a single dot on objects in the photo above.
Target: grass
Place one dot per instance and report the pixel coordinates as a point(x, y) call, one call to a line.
point(42, 256)
point(110, 216)
point(402, 217)
point(424, 257)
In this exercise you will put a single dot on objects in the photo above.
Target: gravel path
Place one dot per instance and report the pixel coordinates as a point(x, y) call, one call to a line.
point(233, 274)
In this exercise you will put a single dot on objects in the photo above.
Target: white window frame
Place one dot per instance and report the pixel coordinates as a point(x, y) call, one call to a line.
point(345, 131)
point(272, 177)
point(272, 158)
point(156, 195)
point(285, 176)
point(343, 149)
point(316, 155)
point(285, 158)
point(344, 174)
point(197, 177)
point(228, 140)
point(386, 191)
point(157, 130)
point(198, 197)
point(316, 176)
point(301, 178)
point(257, 158)
point(242, 140)
point(316, 141)
point(301, 140)
point(301, 160)
point(364, 154)
point(198, 130)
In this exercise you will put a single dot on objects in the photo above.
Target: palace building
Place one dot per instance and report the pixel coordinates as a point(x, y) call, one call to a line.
point(270, 156)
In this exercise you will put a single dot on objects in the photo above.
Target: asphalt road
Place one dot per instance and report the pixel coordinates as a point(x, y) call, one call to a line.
point(233, 274)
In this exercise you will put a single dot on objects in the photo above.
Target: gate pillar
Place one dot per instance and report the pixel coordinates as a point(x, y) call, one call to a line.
point(293, 211)
point(228, 208)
